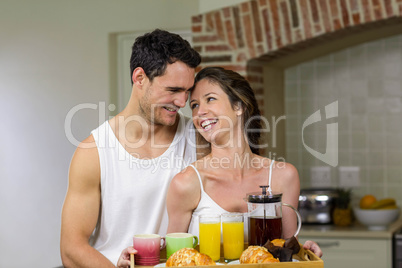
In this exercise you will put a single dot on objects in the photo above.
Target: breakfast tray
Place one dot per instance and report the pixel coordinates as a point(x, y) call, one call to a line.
point(306, 259)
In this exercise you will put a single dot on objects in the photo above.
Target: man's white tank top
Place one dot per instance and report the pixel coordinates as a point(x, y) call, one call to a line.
point(133, 190)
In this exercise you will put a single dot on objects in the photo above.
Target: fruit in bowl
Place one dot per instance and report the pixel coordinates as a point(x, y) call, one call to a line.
point(376, 219)
point(367, 201)
point(376, 214)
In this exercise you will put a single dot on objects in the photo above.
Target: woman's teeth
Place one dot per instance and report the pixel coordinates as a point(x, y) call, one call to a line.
point(207, 124)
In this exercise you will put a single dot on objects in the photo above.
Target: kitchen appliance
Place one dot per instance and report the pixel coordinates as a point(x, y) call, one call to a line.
point(265, 216)
point(317, 204)
point(397, 249)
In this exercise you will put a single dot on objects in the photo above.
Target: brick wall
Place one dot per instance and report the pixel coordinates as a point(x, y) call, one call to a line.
point(234, 35)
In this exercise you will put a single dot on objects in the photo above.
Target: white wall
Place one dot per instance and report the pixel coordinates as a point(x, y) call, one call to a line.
point(54, 56)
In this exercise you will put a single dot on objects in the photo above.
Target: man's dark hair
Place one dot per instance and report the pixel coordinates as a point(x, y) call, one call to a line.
point(153, 51)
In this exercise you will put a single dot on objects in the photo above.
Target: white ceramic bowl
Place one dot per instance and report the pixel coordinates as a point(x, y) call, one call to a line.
point(376, 219)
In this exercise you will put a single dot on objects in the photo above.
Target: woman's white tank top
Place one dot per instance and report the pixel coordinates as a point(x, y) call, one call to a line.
point(208, 206)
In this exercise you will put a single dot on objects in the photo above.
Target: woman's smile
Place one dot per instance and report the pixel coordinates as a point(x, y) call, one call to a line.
point(208, 123)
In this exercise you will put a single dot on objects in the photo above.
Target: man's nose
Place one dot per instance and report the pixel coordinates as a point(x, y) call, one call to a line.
point(181, 99)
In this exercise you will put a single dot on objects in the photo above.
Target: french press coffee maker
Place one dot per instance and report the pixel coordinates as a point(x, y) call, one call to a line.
point(265, 216)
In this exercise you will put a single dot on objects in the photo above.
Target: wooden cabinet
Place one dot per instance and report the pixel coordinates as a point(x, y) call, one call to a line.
point(354, 252)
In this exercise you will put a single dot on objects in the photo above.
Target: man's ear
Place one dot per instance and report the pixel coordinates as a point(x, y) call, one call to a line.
point(139, 77)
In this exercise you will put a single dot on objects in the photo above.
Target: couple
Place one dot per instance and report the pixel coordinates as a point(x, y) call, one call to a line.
point(116, 190)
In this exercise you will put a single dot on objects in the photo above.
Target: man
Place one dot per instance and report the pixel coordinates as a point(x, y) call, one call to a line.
point(119, 175)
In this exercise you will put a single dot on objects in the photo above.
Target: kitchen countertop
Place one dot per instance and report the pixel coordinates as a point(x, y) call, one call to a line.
point(356, 230)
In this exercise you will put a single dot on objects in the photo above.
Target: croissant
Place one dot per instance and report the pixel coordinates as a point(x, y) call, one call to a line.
point(257, 254)
point(188, 257)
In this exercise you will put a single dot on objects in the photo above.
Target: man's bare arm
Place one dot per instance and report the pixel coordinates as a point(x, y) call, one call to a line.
point(81, 209)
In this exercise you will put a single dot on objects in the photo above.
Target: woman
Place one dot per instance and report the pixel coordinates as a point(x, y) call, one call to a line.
point(225, 112)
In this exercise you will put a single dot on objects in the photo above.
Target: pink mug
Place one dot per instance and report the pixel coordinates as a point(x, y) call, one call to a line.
point(148, 247)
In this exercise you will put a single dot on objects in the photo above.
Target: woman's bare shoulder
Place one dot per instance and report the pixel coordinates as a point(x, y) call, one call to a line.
point(185, 181)
point(288, 175)
point(184, 190)
point(286, 169)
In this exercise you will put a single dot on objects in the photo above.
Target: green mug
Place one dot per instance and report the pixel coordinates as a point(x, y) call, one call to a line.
point(176, 241)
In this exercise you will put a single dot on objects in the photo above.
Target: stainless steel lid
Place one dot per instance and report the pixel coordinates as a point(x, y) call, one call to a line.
point(264, 196)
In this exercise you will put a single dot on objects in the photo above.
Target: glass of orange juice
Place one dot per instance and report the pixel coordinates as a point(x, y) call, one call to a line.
point(210, 235)
point(233, 235)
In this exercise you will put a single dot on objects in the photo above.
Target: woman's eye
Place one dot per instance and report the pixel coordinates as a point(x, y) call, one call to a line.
point(193, 106)
point(210, 99)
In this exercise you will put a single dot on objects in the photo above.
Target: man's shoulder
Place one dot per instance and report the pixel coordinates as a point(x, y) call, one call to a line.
point(87, 147)
point(100, 135)
point(102, 127)
point(85, 162)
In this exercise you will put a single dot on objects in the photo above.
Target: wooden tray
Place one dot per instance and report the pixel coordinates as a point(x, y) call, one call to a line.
point(306, 259)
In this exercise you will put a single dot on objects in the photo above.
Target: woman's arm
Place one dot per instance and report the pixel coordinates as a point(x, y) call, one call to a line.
point(182, 198)
point(289, 185)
